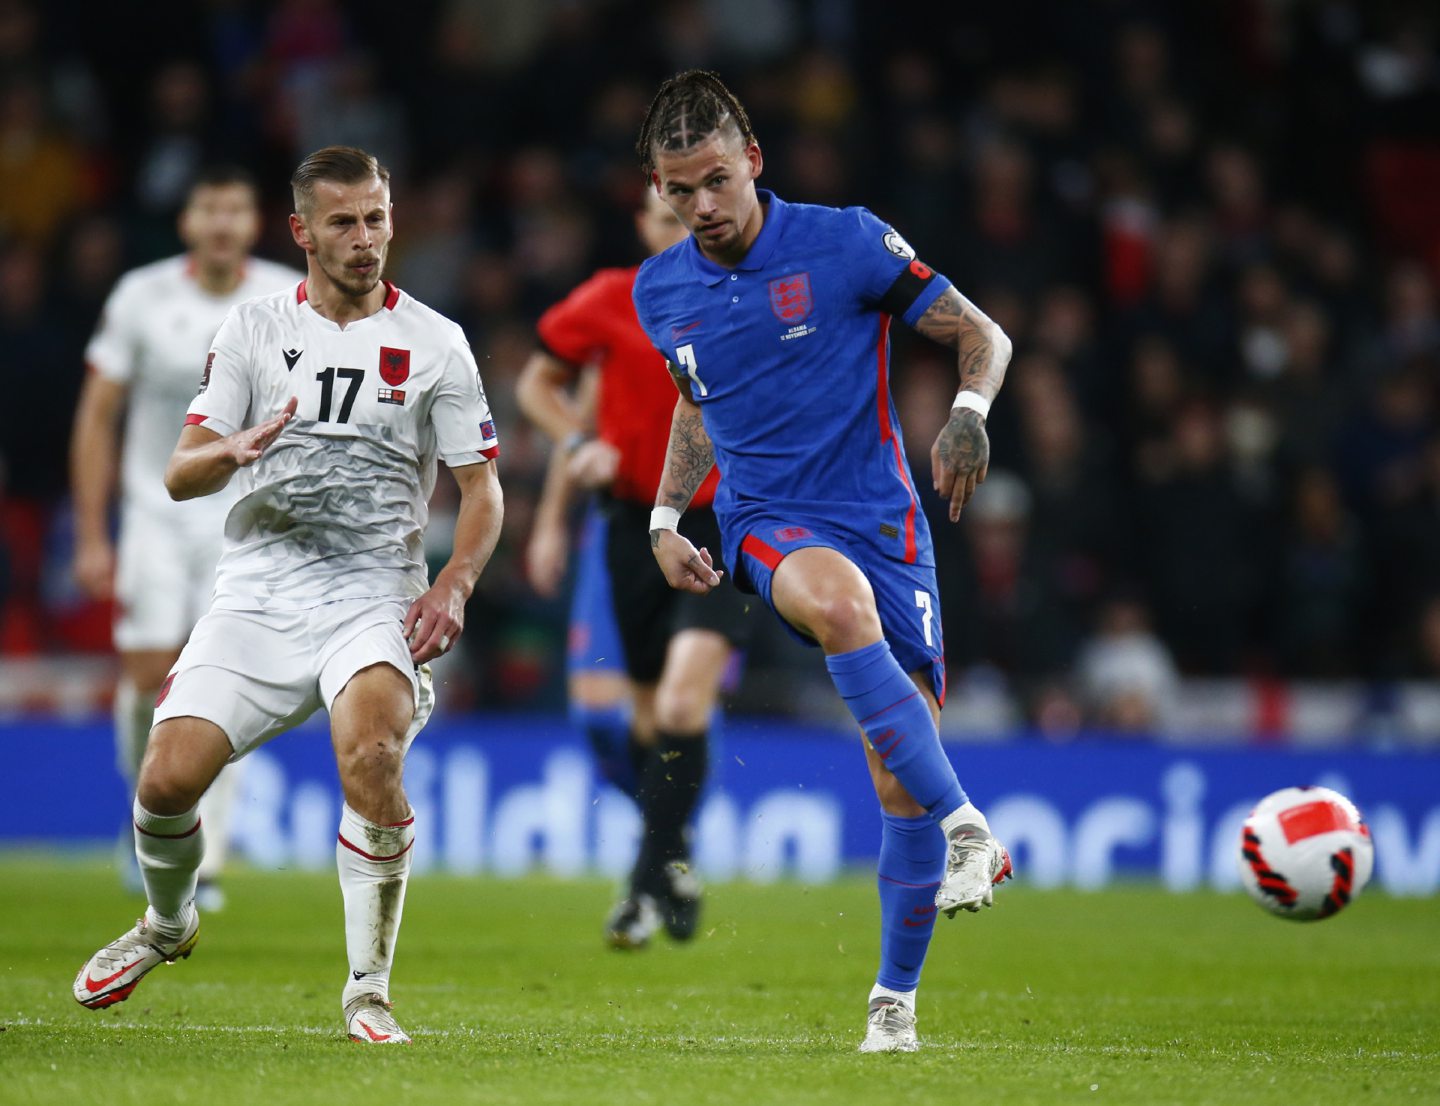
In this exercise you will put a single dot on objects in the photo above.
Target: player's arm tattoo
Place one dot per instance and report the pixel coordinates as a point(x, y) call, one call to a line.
point(961, 454)
point(963, 444)
point(984, 348)
point(689, 457)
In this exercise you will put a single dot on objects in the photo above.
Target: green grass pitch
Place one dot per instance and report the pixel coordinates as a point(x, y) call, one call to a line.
point(1126, 996)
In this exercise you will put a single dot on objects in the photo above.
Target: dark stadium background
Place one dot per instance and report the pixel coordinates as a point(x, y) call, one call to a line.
point(1211, 229)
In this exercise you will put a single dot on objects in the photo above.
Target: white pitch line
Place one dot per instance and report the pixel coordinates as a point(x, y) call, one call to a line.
point(839, 1041)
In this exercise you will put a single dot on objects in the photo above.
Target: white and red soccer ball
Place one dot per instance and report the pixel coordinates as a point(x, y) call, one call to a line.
point(1305, 853)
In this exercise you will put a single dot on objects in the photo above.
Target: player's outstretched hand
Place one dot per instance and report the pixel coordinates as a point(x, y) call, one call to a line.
point(545, 557)
point(685, 567)
point(960, 458)
point(246, 446)
point(434, 622)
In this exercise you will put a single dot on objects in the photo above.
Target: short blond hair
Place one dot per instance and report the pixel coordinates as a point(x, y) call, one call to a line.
point(339, 164)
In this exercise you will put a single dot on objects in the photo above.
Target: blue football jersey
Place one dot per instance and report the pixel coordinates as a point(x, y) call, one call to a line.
point(789, 359)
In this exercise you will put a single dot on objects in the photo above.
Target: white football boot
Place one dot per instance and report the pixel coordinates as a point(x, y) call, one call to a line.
point(369, 1021)
point(112, 973)
point(974, 863)
point(889, 1027)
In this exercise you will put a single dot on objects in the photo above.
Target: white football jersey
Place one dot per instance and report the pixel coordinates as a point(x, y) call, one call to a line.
point(336, 507)
point(157, 324)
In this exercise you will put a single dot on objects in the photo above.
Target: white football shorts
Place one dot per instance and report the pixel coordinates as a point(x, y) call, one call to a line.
point(256, 674)
point(164, 579)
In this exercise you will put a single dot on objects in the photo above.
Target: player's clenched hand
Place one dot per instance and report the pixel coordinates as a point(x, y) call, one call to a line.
point(685, 567)
point(95, 568)
point(434, 622)
point(960, 458)
point(593, 465)
point(246, 446)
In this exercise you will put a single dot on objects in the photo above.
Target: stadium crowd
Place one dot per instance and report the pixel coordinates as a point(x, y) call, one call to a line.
point(1209, 228)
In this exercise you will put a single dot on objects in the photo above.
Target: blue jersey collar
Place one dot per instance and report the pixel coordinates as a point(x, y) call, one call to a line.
point(760, 250)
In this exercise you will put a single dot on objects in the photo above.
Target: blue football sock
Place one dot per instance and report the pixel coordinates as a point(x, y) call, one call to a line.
point(896, 720)
point(607, 728)
point(912, 862)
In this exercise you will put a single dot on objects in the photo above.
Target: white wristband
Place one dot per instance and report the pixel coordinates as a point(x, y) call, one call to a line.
point(972, 401)
point(664, 518)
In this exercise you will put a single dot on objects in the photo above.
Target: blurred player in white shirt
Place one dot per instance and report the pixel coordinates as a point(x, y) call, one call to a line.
point(330, 403)
point(157, 324)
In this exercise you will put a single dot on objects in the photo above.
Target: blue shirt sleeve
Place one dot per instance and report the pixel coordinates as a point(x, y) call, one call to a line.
point(638, 296)
point(891, 277)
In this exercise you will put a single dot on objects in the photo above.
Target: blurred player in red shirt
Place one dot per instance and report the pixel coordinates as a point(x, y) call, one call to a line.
point(676, 646)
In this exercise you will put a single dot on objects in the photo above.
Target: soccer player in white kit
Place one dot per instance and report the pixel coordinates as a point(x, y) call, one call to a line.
point(332, 401)
point(157, 324)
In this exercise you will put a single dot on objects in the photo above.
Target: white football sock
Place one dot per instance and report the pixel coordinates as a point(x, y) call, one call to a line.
point(966, 815)
point(374, 864)
point(907, 997)
point(215, 808)
point(169, 849)
point(133, 715)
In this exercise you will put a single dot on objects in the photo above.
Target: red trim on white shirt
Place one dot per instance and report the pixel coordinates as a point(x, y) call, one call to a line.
point(392, 294)
point(195, 420)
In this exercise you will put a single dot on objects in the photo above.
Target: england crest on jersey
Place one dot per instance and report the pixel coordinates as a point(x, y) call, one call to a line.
point(790, 297)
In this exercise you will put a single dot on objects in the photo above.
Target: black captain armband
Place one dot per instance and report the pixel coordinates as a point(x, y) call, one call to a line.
point(907, 288)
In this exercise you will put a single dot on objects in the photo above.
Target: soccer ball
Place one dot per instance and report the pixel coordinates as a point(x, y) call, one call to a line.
point(1305, 853)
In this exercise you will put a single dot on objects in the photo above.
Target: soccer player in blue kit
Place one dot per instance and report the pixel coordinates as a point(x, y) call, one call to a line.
point(775, 320)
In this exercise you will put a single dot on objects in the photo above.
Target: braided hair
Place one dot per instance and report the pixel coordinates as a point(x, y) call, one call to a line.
point(688, 109)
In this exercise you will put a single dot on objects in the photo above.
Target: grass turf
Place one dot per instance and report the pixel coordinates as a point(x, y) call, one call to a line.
point(1127, 996)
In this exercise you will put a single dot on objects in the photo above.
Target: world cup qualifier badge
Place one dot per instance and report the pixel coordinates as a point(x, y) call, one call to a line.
point(898, 246)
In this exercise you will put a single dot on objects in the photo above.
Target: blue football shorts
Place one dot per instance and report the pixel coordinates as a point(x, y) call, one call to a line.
point(906, 595)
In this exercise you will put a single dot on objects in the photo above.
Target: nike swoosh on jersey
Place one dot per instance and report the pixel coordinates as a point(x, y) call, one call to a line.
point(678, 332)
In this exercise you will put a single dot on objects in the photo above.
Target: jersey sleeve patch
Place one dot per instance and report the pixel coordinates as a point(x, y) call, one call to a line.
point(897, 245)
point(489, 440)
